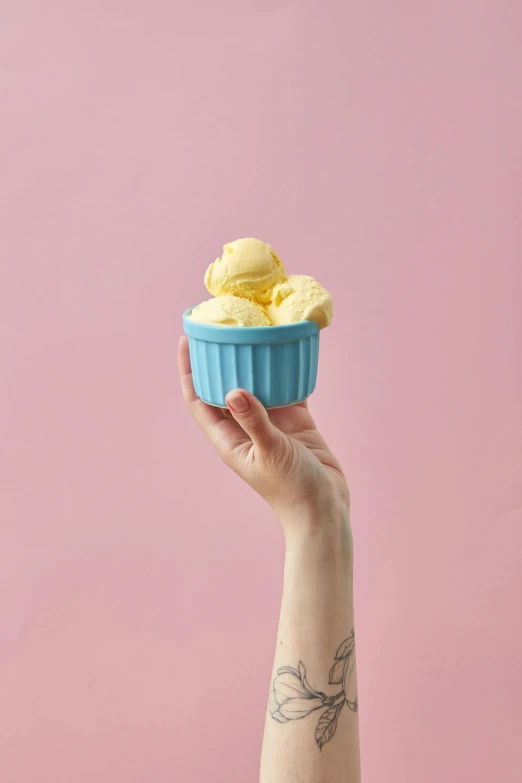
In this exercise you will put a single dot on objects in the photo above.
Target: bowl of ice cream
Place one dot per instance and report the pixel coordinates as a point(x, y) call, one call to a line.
point(259, 332)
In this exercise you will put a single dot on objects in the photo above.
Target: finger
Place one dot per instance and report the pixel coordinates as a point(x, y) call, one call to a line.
point(224, 434)
point(205, 415)
point(295, 418)
point(253, 419)
point(185, 370)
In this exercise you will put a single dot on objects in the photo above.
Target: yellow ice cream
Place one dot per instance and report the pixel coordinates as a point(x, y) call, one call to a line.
point(300, 298)
point(230, 310)
point(248, 268)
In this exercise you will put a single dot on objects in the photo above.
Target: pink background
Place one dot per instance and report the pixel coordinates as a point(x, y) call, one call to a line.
point(376, 145)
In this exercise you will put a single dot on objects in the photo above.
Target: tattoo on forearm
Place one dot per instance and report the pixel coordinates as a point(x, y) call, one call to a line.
point(292, 698)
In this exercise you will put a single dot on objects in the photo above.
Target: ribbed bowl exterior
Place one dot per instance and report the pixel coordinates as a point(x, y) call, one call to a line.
point(276, 363)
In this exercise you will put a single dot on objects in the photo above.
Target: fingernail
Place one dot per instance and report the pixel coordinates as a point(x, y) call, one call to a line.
point(238, 402)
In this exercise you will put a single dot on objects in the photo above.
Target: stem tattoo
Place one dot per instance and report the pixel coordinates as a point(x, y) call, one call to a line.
point(292, 697)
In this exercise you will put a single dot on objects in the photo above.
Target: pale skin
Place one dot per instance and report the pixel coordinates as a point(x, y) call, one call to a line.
point(281, 454)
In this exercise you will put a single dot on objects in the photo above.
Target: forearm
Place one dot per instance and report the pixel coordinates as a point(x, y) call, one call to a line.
point(311, 731)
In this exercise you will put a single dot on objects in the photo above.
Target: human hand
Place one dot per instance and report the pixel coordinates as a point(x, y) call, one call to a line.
point(280, 453)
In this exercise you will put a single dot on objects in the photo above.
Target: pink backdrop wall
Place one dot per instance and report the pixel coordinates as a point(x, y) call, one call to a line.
point(375, 145)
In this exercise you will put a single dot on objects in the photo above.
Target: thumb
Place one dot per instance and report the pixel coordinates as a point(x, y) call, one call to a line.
point(253, 419)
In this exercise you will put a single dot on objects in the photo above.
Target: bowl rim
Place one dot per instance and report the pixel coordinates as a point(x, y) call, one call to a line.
point(218, 333)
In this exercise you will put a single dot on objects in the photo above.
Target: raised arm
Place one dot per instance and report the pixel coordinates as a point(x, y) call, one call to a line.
point(311, 730)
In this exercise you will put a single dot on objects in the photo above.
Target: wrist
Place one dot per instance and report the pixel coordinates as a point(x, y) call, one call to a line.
point(320, 559)
point(322, 532)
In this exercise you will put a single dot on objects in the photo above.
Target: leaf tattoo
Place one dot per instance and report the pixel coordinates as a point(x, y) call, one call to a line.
point(337, 672)
point(346, 647)
point(293, 698)
point(327, 725)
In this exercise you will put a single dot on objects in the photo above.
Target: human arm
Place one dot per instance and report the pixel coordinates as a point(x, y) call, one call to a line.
point(311, 727)
point(311, 731)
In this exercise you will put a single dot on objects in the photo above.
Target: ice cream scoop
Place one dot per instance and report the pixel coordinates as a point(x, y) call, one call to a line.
point(230, 310)
point(248, 268)
point(300, 298)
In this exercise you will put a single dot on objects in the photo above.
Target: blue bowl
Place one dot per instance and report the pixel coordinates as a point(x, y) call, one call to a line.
point(276, 363)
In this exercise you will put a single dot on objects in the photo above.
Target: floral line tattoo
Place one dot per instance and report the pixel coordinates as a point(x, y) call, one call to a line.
point(292, 697)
